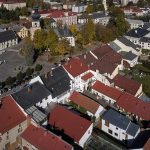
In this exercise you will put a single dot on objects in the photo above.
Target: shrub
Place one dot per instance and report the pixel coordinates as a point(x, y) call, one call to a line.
point(38, 67)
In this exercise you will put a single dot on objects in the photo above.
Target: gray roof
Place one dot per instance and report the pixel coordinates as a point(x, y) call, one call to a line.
point(28, 97)
point(16, 28)
point(114, 46)
point(146, 25)
point(137, 33)
point(128, 42)
point(116, 119)
point(120, 121)
point(145, 39)
point(7, 35)
point(57, 81)
point(128, 55)
point(63, 32)
point(132, 129)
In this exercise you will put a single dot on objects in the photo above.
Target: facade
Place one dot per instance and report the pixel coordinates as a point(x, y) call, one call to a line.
point(135, 23)
point(38, 138)
point(13, 122)
point(12, 4)
point(119, 126)
point(79, 8)
point(92, 108)
point(76, 127)
point(8, 39)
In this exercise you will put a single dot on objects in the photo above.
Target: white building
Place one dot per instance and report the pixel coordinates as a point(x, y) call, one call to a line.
point(135, 23)
point(119, 126)
point(79, 8)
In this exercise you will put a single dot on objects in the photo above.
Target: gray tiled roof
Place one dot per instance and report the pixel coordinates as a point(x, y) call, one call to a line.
point(7, 35)
point(137, 33)
point(114, 46)
point(63, 32)
point(145, 39)
point(129, 56)
point(26, 98)
point(58, 82)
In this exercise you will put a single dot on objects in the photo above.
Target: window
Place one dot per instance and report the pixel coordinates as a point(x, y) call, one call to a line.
point(110, 131)
point(116, 128)
point(116, 134)
point(106, 123)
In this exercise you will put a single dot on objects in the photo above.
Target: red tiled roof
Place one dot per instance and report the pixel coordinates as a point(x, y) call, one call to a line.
point(147, 145)
point(87, 76)
point(12, 1)
point(72, 124)
point(75, 67)
point(59, 14)
point(84, 102)
point(129, 85)
point(134, 105)
point(106, 90)
point(45, 11)
point(10, 114)
point(43, 139)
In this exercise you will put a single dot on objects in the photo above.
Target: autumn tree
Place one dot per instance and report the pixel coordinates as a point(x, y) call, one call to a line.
point(74, 30)
point(89, 9)
point(39, 40)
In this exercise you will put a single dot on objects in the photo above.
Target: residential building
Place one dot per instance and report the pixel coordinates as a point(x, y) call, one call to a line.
point(129, 85)
point(135, 23)
point(7, 39)
point(132, 11)
point(64, 18)
point(92, 108)
point(21, 31)
point(97, 17)
point(12, 4)
point(77, 128)
point(13, 122)
point(79, 8)
point(76, 69)
point(65, 33)
point(119, 126)
point(36, 137)
point(58, 82)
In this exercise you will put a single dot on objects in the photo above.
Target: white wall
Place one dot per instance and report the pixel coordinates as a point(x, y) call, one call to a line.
point(86, 135)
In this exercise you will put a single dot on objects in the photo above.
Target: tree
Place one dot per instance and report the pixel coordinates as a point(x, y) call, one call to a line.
point(38, 67)
point(62, 47)
point(20, 76)
point(24, 11)
point(89, 9)
point(28, 51)
point(9, 81)
point(51, 40)
point(29, 71)
point(39, 40)
point(74, 30)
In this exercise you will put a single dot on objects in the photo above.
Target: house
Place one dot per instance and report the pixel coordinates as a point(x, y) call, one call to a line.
point(119, 126)
point(21, 31)
point(12, 4)
point(34, 94)
point(145, 42)
point(65, 33)
point(109, 94)
point(129, 85)
point(135, 35)
point(79, 8)
point(132, 11)
point(64, 18)
point(135, 23)
point(76, 127)
point(58, 82)
point(130, 58)
point(13, 122)
point(97, 17)
point(134, 107)
point(92, 108)
point(36, 137)
point(76, 69)
point(7, 39)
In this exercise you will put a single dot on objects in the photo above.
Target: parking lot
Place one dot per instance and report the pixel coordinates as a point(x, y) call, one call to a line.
point(11, 62)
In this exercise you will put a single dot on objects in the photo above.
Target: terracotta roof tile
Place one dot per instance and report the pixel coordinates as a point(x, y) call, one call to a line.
point(87, 76)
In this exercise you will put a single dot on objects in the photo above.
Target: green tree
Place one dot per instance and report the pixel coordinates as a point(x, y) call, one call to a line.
point(10, 81)
point(39, 40)
point(20, 76)
point(38, 67)
point(74, 30)
point(89, 9)
point(51, 40)
point(29, 71)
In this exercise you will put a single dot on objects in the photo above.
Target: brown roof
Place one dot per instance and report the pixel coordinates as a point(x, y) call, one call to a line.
point(84, 102)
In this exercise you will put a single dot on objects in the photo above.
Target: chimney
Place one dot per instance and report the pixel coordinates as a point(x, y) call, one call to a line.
point(81, 64)
point(84, 56)
point(70, 66)
point(1, 103)
point(29, 89)
point(51, 73)
point(46, 75)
